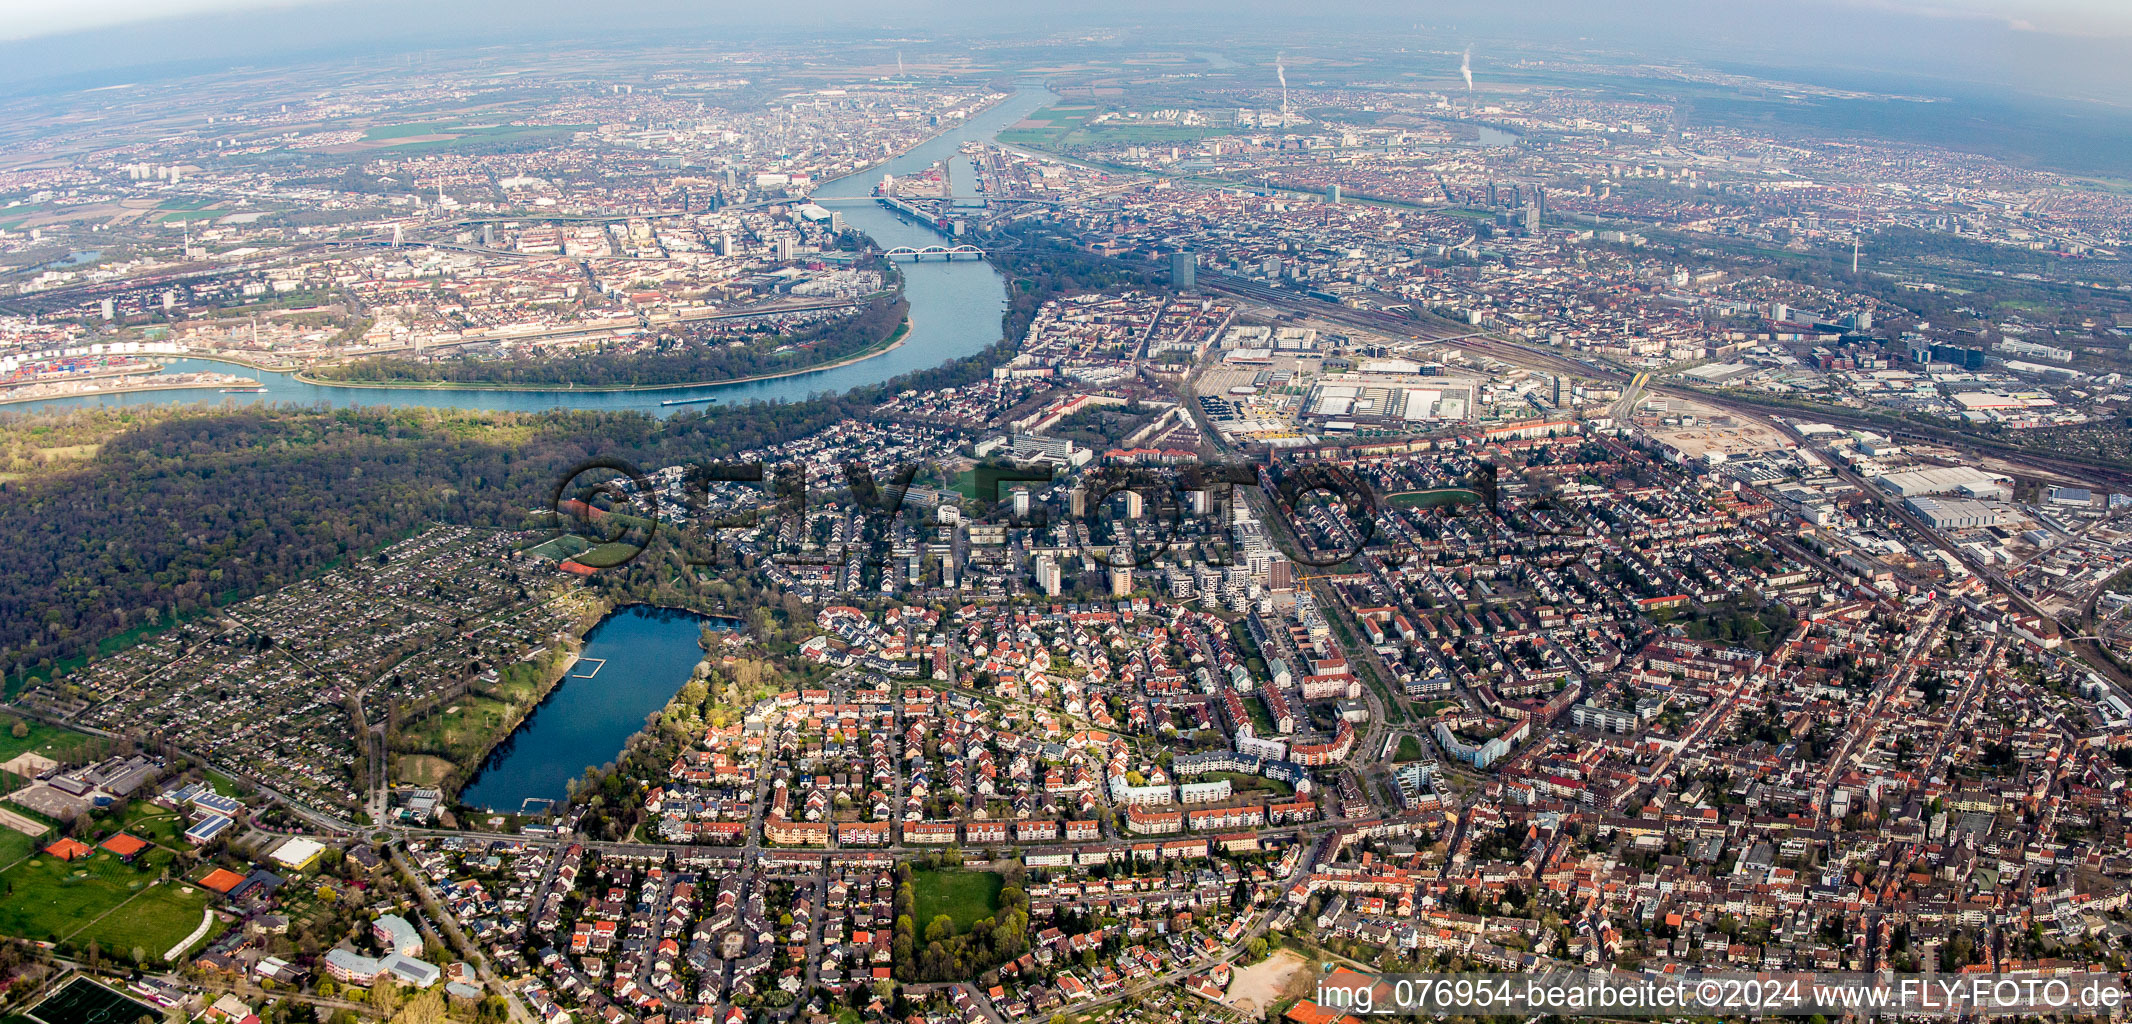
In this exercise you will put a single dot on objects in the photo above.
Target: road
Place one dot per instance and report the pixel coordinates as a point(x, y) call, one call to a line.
point(1362, 659)
point(1259, 926)
point(1538, 358)
point(466, 947)
point(1625, 406)
point(1866, 725)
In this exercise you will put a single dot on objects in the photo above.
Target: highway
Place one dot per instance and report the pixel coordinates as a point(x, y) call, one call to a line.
point(1625, 406)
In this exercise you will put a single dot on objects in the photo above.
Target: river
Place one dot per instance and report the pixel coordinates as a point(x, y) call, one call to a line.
point(955, 310)
point(1492, 136)
point(633, 662)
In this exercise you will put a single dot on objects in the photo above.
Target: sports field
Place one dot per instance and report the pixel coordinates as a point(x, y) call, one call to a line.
point(119, 906)
point(152, 922)
point(86, 1002)
point(966, 897)
point(1433, 499)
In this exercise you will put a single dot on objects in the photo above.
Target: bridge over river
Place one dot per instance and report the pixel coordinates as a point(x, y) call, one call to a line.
point(960, 252)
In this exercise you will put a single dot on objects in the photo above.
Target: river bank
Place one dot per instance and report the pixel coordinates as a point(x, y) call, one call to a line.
point(886, 345)
point(130, 389)
point(937, 136)
point(955, 312)
point(247, 361)
point(461, 765)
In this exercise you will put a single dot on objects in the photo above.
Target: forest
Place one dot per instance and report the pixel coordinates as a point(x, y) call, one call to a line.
point(184, 509)
point(696, 356)
point(162, 513)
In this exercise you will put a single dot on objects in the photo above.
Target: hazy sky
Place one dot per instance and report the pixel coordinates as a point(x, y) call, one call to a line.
point(23, 19)
point(2068, 17)
point(2054, 48)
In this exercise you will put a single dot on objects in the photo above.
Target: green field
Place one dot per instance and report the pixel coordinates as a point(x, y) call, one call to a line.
point(409, 130)
point(1242, 783)
point(1069, 127)
point(153, 921)
point(159, 825)
point(49, 740)
point(45, 898)
point(14, 846)
point(1432, 499)
point(966, 897)
point(456, 734)
point(1072, 116)
point(965, 484)
point(1409, 750)
point(223, 784)
point(560, 547)
point(1056, 122)
point(607, 556)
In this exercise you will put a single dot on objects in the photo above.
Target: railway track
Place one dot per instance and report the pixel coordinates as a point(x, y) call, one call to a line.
point(2086, 469)
point(1434, 329)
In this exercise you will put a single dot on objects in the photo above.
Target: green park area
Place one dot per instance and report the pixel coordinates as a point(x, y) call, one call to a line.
point(966, 897)
point(100, 898)
point(1048, 126)
point(49, 740)
point(406, 131)
point(433, 749)
point(1245, 783)
point(1434, 499)
point(426, 136)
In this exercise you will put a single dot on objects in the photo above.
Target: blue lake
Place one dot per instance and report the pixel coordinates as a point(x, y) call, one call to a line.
point(633, 662)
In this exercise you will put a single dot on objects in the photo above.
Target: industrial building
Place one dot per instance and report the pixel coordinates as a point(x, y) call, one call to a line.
point(1379, 398)
point(1963, 480)
point(1956, 513)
